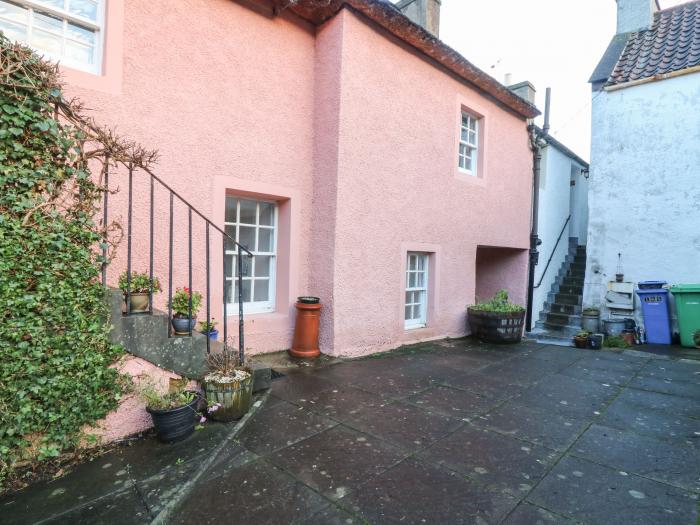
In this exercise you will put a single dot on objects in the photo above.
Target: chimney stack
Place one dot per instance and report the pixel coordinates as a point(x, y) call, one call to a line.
point(524, 90)
point(635, 15)
point(425, 13)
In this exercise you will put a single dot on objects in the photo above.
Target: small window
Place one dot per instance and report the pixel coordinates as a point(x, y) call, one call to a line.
point(416, 307)
point(252, 223)
point(68, 31)
point(468, 144)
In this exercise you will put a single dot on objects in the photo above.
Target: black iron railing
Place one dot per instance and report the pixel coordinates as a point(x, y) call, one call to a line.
point(551, 255)
point(209, 226)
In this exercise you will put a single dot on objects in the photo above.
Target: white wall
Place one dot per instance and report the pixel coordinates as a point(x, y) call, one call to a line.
point(556, 196)
point(644, 199)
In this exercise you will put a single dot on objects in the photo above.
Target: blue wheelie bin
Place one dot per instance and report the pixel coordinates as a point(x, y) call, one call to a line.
point(655, 310)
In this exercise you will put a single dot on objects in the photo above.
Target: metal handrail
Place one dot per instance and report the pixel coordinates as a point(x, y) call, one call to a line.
point(208, 226)
point(551, 256)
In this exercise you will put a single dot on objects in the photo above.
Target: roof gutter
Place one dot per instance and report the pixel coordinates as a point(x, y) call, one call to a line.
point(655, 78)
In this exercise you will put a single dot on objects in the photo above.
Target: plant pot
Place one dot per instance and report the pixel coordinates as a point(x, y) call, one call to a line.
point(175, 424)
point(234, 399)
point(140, 302)
point(595, 341)
point(183, 325)
point(305, 342)
point(628, 336)
point(213, 335)
point(496, 327)
point(581, 342)
point(590, 321)
point(613, 326)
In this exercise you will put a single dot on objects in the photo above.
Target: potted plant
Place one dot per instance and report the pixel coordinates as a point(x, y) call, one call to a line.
point(139, 290)
point(696, 338)
point(209, 329)
point(498, 320)
point(581, 339)
point(174, 413)
point(228, 386)
point(182, 322)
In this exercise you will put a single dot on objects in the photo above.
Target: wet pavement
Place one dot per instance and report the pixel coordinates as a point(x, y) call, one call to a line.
point(448, 432)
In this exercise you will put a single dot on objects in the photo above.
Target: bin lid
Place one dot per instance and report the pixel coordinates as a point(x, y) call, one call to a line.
point(651, 284)
point(686, 288)
point(651, 291)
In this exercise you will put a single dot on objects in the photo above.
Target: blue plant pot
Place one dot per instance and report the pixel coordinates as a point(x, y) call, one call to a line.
point(183, 325)
point(213, 335)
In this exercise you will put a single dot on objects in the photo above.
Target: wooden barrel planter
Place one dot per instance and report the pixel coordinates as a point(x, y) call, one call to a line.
point(233, 399)
point(496, 327)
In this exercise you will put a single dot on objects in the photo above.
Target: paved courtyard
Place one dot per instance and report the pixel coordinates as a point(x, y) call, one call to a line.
point(443, 433)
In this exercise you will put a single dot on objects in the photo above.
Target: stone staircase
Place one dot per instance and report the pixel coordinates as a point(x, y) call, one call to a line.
point(561, 317)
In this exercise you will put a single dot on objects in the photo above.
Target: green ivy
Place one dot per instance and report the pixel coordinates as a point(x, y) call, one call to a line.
point(55, 354)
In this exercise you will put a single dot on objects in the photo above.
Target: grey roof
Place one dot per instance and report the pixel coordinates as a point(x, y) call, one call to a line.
point(671, 44)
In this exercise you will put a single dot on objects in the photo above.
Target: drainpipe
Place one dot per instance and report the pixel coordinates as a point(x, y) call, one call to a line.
point(535, 241)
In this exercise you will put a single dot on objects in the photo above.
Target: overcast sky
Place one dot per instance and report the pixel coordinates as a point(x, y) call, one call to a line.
point(551, 43)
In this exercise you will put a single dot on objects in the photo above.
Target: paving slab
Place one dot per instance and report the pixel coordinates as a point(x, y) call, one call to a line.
point(331, 515)
point(572, 397)
point(668, 386)
point(661, 425)
point(299, 385)
point(673, 370)
point(256, 493)
point(593, 494)
point(523, 370)
point(341, 402)
point(281, 425)
point(529, 514)
point(544, 427)
point(404, 425)
point(418, 493)
point(337, 461)
point(677, 465)
point(123, 508)
point(452, 402)
point(644, 400)
point(483, 384)
point(584, 370)
point(497, 461)
point(562, 355)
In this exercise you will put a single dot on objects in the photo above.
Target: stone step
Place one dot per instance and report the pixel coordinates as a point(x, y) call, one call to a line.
point(557, 319)
point(563, 298)
point(572, 281)
point(567, 309)
point(549, 336)
point(576, 274)
point(571, 290)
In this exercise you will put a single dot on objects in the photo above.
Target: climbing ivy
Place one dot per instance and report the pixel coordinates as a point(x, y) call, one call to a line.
point(55, 355)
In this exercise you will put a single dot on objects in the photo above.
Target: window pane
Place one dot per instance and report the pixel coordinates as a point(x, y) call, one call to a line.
point(411, 280)
point(262, 265)
point(231, 232)
point(267, 213)
point(407, 313)
point(231, 203)
point(472, 124)
point(13, 31)
point(409, 296)
point(80, 34)
point(247, 235)
point(246, 292)
point(248, 211)
point(78, 52)
point(84, 8)
point(472, 137)
point(227, 293)
point(465, 120)
point(265, 240)
point(420, 280)
point(247, 266)
point(228, 265)
point(411, 262)
point(262, 287)
point(48, 22)
point(59, 4)
point(13, 12)
point(46, 42)
point(421, 262)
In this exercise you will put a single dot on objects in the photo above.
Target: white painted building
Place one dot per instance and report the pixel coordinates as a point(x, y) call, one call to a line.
point(562, 219)
point(644, 195)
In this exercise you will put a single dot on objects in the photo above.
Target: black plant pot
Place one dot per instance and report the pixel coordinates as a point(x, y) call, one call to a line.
point(175, 424)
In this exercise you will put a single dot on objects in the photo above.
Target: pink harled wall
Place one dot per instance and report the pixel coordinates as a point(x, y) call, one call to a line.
point(350, 132)
point(226, 95)
point(398, 189)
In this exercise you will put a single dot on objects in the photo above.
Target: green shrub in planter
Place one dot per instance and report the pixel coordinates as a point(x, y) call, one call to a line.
point(498, 320)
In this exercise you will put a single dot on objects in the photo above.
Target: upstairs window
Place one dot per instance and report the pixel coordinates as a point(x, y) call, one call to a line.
point(416, 306)
point(468, 144)
point(68, 31)
point(252, 223)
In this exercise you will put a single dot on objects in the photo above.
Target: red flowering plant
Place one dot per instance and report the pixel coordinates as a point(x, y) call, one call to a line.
point(181, 302)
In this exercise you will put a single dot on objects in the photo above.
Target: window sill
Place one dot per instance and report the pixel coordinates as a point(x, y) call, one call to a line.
point(408, 328)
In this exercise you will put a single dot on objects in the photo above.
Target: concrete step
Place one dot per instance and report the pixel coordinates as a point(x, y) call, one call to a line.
point(557, 319)
point(572, 282)
point(550, 336)
point(562, 298)
point(567, 309)
point(571, 290)
point(567, 330)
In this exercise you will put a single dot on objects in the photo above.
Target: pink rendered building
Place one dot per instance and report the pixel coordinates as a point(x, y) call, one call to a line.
point(359, 157)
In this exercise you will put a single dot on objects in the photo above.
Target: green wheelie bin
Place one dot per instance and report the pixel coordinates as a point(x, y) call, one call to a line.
point(687, 298)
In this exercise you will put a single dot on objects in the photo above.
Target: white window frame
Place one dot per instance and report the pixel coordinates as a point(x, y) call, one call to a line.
point(97, 26)
point(421, 320)
point(466, 145)
point(253, 307)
